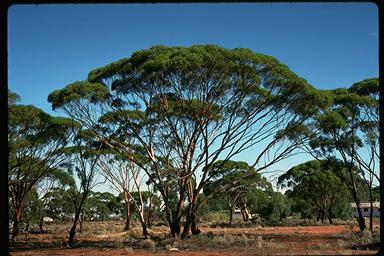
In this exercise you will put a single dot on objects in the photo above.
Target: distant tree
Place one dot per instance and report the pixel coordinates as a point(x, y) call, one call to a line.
point(314, 183)
point(146, 204)
point(57, 178)
point(277, 207)
point(34, 141)
point(191, 106)
point(33, 209)
point(237, 184)
point(59, 205)
point(97, 206)
point(125, 177)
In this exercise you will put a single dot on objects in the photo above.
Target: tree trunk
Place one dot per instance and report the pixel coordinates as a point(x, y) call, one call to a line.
point(330, 216)
point(371, 218)
point(127, 212)
point(322, 215)
point(81, 221)
point(245, 213)
point(16, 221)
point(194, 228)
point(190, 224)
point(72, 232)
point(230, 216)
point(175, 227)
point(27, 225)
point(371, 213)
point(127, 223)
point(144, 228)
point(360, 218)
point(41, 223)
point(187, 227)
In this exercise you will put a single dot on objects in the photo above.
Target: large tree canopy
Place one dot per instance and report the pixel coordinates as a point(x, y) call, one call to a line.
point(188, 107)
point(35, 140)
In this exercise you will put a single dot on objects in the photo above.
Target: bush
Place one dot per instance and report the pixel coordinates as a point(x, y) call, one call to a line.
point(215, 217)
point(148, 244)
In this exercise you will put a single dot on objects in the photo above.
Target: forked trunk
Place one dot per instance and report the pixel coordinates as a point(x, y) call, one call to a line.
point(190, 225)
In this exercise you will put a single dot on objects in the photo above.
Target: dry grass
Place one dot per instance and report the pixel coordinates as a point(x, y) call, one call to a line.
point(256, 240)
point(148, 244)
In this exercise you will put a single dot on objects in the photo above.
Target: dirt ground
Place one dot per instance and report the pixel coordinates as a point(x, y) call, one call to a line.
point(299, 240)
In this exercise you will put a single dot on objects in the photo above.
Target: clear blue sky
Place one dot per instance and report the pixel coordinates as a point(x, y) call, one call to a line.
point(49, 46)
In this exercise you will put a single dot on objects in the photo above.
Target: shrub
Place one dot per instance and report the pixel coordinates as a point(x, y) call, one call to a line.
point(148, 243)
point(215, 217)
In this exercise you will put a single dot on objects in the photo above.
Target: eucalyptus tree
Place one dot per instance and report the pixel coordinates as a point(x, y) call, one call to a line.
point(56, 178)
point(128, 179)
point(98, 206)
point(232, 172)
point(317, 184)
point(188, 107)
point(34, 140)
point(368, 159)
point(59, 204)
point(82, 157)
point(146, 204)
point(347, 130)
point(120, 174)
point(33, 209)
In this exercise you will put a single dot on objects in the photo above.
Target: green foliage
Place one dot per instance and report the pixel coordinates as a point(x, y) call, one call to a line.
point(101, 206)
point(35, 140)
point(33, 207)
point(58, 204)
point(12, 98)
point(74, 92)
point(236, 184)
point(316, 189)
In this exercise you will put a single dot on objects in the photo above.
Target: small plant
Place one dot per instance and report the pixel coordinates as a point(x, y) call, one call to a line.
point(129, 250)
point(259, 242)
point(135, 233)
point(148, 244)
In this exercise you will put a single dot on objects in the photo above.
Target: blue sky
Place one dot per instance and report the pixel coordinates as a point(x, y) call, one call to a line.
point(49, 46)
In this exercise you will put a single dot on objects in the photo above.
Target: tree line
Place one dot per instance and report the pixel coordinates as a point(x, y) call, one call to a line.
point(164, 126)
